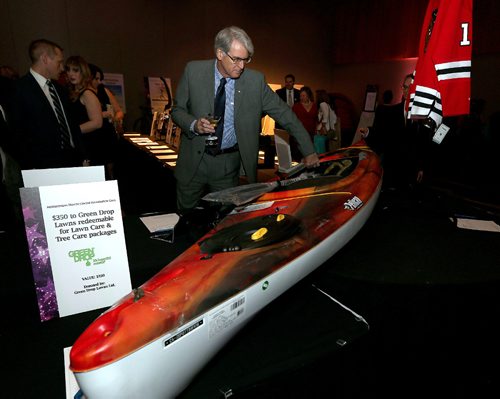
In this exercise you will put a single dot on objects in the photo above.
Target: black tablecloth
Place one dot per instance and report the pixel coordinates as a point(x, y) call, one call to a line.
point(296, 330)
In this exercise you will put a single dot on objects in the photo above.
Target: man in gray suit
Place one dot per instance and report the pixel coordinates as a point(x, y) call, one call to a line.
point(201, 169)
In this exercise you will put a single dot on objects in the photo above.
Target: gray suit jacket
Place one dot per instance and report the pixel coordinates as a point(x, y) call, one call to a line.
point(253, 99)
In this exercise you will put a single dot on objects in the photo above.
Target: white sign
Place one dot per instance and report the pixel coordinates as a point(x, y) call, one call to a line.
point(77, 246)
point(440, 133)
point(50, 177)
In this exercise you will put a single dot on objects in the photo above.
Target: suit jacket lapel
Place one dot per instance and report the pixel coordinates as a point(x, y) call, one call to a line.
point(208, 78)
point(40, 95)
point(239, 91)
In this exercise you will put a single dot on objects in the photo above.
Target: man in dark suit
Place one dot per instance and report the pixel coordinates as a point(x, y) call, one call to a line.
point(5, 136)
point(44, 139)
point(247, 99)
point(400, 142)
point(289, 94)
point(6, 88)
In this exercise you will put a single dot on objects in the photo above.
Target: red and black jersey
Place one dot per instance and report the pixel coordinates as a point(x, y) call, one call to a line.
point(441, 84)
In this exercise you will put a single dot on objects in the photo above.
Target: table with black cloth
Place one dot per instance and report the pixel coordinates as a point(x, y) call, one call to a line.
point(297, 329)
point(428, 290)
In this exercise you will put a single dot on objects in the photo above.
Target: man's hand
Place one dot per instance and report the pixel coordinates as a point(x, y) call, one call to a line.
point(203, 126)
point(311, 161)
point(363, 131)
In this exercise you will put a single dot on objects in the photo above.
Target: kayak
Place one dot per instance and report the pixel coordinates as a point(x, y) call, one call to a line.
point(156, 339)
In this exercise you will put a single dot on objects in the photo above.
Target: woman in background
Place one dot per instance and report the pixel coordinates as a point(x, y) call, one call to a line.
point(112, 115)
point(307, 112)
point(111, 109)
point(85, 107)
point(99, 138)
point(327, 118)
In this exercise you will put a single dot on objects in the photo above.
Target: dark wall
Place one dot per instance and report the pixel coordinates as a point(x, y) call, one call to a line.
point(153, 37)
point(331, 44)
point(376, 42)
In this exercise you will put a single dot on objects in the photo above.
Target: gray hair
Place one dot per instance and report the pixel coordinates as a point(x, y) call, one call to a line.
point(226, 36)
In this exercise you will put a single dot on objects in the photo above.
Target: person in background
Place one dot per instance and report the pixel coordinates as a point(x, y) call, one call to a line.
point(307, 112)
point(111, 109)
point(9, 193)
point(86, 109)
point(46, 134)
point(401, 142)
point(289, 94)
point(112, 115)
point(6, 93)
point(389, 120)
point(225, 87)
point(8, 72)
point(327, 119)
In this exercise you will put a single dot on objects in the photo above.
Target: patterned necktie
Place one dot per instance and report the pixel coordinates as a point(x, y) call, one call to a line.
point(290, 98)
point(219, 108)
point(63, 126)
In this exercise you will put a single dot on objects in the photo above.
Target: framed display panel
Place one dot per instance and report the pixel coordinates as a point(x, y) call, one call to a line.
point(370, 102)
point(159, 93)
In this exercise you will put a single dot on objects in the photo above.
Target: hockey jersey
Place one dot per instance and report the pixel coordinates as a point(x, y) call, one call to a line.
point(441, 84)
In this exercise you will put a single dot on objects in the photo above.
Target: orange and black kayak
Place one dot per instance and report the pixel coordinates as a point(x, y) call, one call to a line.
point(155, 340)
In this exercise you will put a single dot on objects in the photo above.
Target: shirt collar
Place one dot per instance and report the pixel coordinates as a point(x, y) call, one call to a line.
point(218, 75)
point(42, 81)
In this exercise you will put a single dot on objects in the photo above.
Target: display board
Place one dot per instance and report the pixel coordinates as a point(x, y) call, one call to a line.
point(76, 243)
point(114, 82)
point(160, 93)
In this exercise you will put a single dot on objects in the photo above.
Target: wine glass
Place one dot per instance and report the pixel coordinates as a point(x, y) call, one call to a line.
point(211, 140)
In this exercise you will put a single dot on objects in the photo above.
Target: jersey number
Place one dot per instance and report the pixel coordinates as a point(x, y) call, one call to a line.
point(465, 35)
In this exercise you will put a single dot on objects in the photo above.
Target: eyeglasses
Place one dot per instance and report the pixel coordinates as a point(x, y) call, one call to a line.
point(237, 60)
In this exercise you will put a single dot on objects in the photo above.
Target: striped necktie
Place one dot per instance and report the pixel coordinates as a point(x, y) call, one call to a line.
point(63, 126)
point(290, 98)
